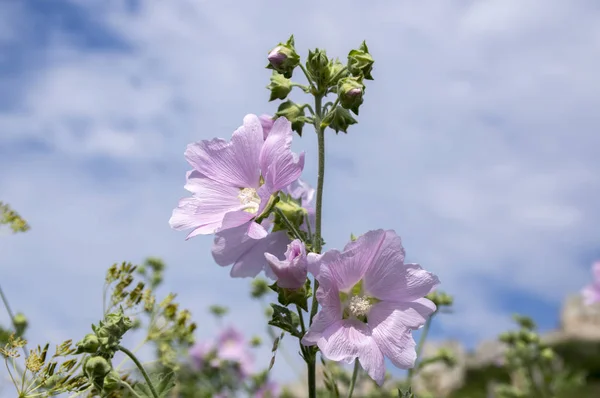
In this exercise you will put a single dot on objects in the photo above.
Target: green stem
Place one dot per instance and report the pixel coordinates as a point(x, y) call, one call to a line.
point(420, 347)
point(288, 223)
point(307, 77)
point(354, 376)
point(301, 316)
point(12, 317)
point(126, 385)
point(140, 367)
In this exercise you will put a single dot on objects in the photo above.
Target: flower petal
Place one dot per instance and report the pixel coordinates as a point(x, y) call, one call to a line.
point(267, 124)
point(279, 165)
point(330, 313)
point(392, 335)
point(234, 246)
point(234, 163)
point(350, 339)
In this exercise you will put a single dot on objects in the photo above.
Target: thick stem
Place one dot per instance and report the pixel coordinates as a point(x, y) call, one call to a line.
point(354, 376)
point(140, 367)
point(12, 317)
point(311, 359)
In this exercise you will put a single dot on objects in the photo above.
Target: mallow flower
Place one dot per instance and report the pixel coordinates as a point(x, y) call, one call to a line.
point(371, 301)
point(231, 346)
point(291, 273)
point(236, 178)
point(591, 293)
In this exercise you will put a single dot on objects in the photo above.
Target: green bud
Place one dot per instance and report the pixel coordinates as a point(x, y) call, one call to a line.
point(20, 322)
point(353, 237)
point(337, 71)
point(338, 119)
point(283, 58)
point(528, 336)
point(89, 344)
point(255, 341)
point(112, 382)
point(524, 321)
point(547, 354)
point(218, 311)
point(317, 66)
point(292, 210)
point(96, 368)
point(350, 93)
point(360, 62)
point(280, 86)
point(260, 287)
point(294, 113)
point(507, 337)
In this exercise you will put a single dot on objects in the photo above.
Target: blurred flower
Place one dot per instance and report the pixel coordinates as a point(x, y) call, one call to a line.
point(231, 346)
point(268, 390)
point(200, 352)
point(591, 293)
point(371, 302)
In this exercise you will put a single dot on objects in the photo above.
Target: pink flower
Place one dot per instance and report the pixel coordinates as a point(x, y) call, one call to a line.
point(268, 390)
point(236, 178)
point(371, 302)
point(246, 249)
point(200, 352)
point(291, 273)
point(231, 346)
point(591, 293)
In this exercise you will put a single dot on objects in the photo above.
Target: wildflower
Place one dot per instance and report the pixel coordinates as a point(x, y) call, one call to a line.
point(246, 250)
point(236, 178)
point(291, 273)
point(371, 302)
point(267, 390)
point(200, 352)
point(591, 293)
point(231, 346)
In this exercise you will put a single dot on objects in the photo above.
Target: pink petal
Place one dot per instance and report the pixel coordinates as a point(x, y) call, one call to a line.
point(205, 210)
point(267, 124)
point(234, 163)
point(234, 246)
point(279, 165)
point(330, 313)
point(392, 335)
point(350, 339)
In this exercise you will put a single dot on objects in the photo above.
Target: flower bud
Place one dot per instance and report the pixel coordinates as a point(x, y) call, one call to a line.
point(89, 344)
point(283, 58)
point(292, 272)
point(112, 382)
point(547, 354)
point(96, 368)
point(294, 113)
point(20, 322)
point(280, 86)
point(260, 287)
point(337, 71)
point(350, 93)
point(317, 66)
point(338, 119)
point(360, 62)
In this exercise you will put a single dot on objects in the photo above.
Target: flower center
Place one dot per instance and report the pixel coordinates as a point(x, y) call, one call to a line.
point(250, 199)
point(359, 306)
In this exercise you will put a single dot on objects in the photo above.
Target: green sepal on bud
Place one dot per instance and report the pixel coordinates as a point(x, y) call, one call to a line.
point(317, 66)
point(338, 119)
point(293, 296)
point(337, 71)
point(89, 344)
point(291, 209)
point(283, 58)
point(360, 62)
point(111, 330)
point(112, 382)
point(280, 87)
point(96, 368)
point(350, 92)
point(294, 113)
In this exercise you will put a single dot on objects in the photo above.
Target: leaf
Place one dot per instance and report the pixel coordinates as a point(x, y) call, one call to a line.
point(163, 384)
point(286, 320)
point(406, 394)
point(293, 296)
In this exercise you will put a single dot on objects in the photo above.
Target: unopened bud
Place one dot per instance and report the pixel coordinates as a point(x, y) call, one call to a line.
point(350, 93)
point(338, 119)
point(360, 62)
point(283, 58)
point(89, 344)
point(294, 113)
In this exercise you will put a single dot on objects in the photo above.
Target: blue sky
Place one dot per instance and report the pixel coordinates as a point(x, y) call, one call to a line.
point(478, 143)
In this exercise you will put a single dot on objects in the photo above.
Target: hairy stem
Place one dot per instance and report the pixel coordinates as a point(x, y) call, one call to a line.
point(140, 367)
point(354, 376)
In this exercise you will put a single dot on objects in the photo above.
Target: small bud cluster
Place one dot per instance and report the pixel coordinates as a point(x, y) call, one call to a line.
point(11, 218)
point(325, 76)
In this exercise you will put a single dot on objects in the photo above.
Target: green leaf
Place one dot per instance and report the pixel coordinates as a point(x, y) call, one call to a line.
point(163, 384)
point(286, 320)
point(293, 296)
